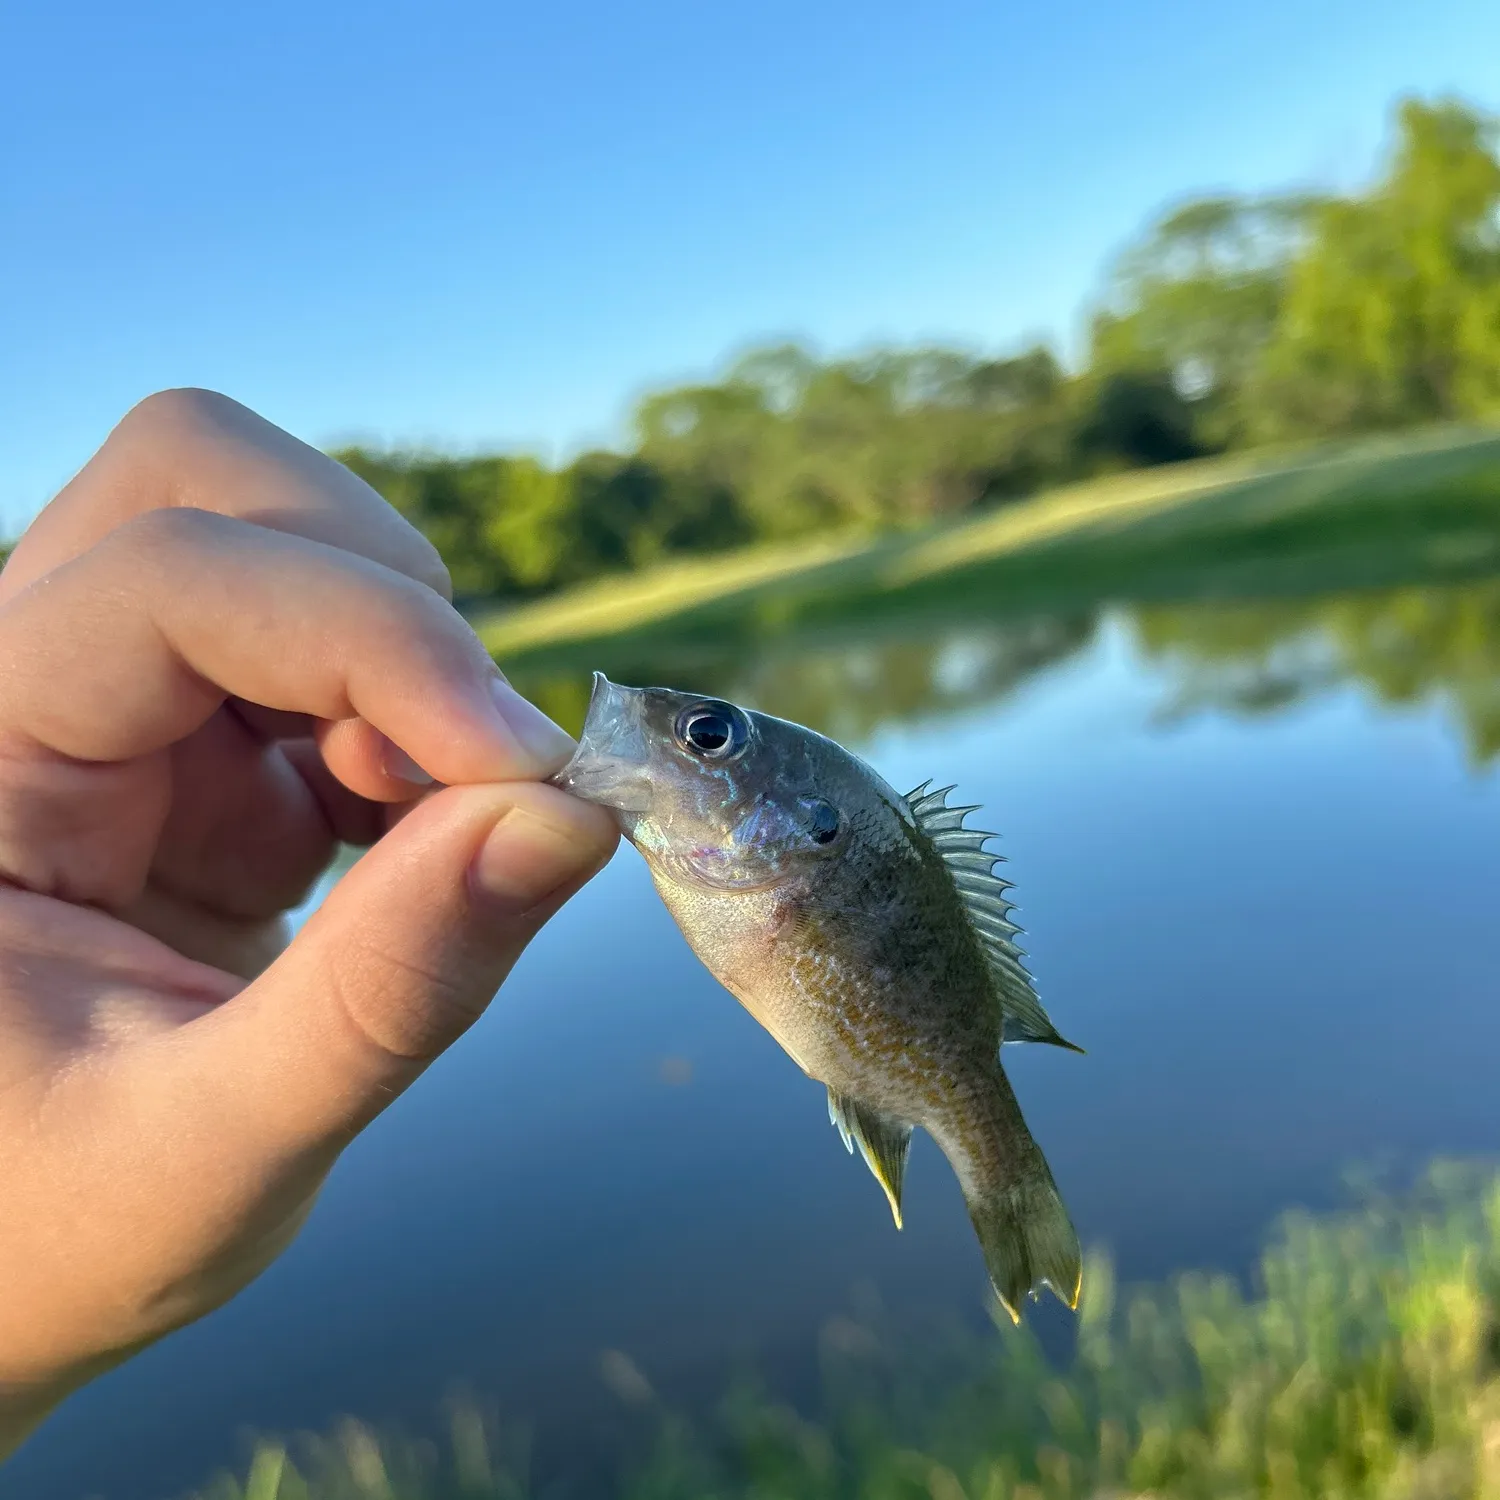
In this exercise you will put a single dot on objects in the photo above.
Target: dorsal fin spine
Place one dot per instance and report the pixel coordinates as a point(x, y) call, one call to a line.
point(987, 910)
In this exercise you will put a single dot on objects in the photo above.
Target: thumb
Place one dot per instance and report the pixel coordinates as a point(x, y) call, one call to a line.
point(402, 957)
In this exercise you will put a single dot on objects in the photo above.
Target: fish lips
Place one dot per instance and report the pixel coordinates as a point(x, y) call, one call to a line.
point(612, 763)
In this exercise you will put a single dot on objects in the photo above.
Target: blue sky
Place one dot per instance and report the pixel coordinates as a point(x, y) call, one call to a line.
point(470, 225)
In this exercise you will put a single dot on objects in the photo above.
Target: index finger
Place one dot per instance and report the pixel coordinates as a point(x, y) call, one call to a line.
point(132, 646)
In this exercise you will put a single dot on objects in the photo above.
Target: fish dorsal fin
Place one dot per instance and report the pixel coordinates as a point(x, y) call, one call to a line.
point(988, 910)
point(882, 1140)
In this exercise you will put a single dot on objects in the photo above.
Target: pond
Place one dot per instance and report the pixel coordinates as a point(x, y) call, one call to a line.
point(1257, 851)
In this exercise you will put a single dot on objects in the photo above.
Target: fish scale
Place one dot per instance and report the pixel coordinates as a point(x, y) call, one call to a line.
point(866, 931)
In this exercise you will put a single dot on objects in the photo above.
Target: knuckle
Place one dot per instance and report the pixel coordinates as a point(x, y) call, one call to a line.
point(407, 553)
point(172, 529)
point(402, 1007)
point(428, 567)
point(426, 618)
point(176, 409)
point(184, 424)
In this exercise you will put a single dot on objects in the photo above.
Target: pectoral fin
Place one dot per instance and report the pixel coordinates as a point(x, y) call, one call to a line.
point(883, 1141)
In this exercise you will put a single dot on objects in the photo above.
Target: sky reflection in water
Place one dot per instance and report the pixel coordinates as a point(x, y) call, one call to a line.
point(1255, 850)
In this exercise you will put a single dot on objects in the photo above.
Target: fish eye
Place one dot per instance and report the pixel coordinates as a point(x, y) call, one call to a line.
point(825, 821)
point(713, 730)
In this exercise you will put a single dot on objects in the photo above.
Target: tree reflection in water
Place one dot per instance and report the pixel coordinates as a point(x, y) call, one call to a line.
point(1408, 646)
point(847, 684)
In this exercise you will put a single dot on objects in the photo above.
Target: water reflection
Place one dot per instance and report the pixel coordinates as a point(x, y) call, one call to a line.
point(1407, 646)
point(848, 685)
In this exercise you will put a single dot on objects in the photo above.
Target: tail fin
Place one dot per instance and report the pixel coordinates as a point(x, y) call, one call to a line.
point(1028, 1240)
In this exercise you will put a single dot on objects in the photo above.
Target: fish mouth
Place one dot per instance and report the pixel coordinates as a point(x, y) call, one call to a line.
point(610, 766)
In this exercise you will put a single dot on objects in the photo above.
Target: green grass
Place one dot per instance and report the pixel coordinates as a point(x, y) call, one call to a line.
point(1382, 510)
point(1365, 1363)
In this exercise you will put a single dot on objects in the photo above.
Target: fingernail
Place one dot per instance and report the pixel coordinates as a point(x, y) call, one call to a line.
point(525, 859)
point(394, 761)
point(540, 739)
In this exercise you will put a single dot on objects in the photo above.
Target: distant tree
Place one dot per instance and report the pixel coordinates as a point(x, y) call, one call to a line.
point(1131, 419)
point(450, 501)
point(527, 522)
point(628, 512)
point(1019, 432)
point(1392, 315)
point(888, 438)
point(1198, 300)
point(501, 523)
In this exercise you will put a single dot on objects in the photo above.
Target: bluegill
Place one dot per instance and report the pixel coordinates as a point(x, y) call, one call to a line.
point(866, 931)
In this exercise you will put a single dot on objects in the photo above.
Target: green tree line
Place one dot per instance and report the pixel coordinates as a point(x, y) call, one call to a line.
point(1233, 321)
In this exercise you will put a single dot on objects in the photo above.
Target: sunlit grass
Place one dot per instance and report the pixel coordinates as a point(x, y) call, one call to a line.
point(1366, 1363)
point(1216, 492)
point(605, 605)
point(1104, 537)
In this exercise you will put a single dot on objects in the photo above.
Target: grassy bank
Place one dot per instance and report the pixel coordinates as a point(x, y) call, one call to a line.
point(1377, 511)
point(1365, 1363)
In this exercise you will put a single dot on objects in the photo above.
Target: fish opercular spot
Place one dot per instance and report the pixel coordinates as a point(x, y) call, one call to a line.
point(824, 821)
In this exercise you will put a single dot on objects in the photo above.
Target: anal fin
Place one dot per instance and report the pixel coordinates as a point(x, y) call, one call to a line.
point(883, 1141)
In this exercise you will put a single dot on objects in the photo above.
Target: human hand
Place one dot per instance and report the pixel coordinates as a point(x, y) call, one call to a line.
point(221, 654)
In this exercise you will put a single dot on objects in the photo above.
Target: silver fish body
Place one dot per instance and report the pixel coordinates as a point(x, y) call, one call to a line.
point(864, 930)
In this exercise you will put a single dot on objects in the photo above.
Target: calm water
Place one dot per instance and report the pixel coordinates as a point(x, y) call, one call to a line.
point(1258, 855)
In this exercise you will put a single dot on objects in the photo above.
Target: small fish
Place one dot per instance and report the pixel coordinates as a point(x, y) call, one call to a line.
point(864, 930)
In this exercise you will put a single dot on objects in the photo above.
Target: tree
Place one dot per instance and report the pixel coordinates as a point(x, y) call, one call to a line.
point(1132, 419)
point(629, 512)
point(887, 438)
point(446, 499)
point(1392, 314)
point(1198, 300)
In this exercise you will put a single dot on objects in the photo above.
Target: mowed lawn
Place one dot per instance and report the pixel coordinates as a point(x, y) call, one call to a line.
point(1361, 513)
